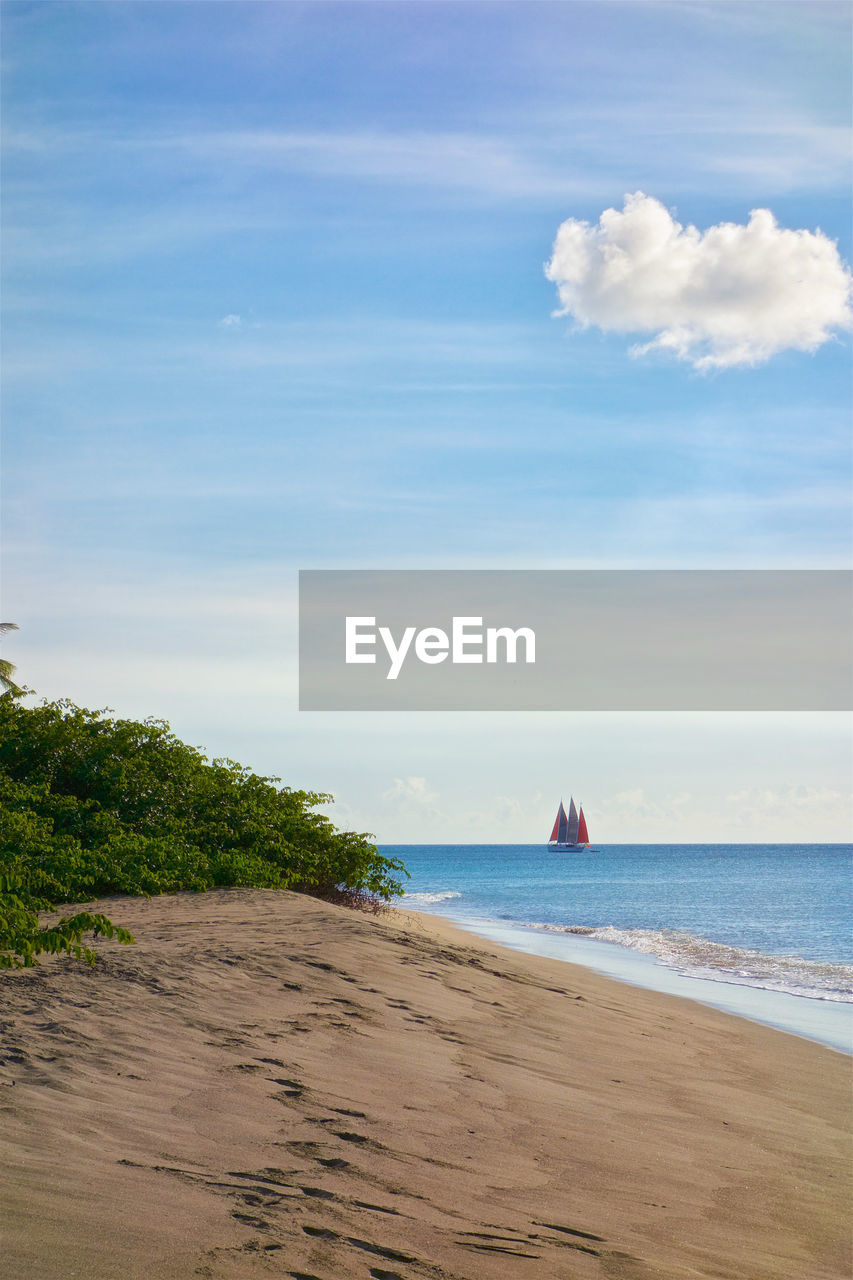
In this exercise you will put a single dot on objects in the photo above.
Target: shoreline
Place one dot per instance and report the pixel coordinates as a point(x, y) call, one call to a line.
point(825, 1022)
point(268, 1085)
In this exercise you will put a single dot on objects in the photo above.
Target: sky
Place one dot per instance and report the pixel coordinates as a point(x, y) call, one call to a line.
point(405, 285)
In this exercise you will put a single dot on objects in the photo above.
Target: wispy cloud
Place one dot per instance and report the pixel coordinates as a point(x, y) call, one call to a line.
point(473, 161)
point(732, 295)
point(543, 154)
point(791, 808)
point(490, 163)
point(749, 813)
point(357, 342)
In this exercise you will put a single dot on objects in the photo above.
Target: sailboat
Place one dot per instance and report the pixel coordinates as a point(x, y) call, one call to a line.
point(570, 829)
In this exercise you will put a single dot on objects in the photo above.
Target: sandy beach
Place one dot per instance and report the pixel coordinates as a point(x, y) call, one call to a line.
point(266, 1085)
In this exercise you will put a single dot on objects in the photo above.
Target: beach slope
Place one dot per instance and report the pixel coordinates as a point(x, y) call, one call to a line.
point(266, 1085)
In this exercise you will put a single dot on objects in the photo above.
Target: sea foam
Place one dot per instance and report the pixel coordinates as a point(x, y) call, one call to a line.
point(698, 957)
point(431, 897)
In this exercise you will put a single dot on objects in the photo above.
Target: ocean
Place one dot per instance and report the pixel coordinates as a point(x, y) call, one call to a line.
point(763, 931)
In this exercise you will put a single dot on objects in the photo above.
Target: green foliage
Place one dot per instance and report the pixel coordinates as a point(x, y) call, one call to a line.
point(91, 806)
point(7, 684)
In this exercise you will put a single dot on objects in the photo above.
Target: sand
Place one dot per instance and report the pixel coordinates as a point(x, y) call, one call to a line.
point(266, 1085)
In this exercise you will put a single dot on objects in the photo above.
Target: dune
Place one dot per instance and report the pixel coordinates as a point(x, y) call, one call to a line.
point(266, 1085)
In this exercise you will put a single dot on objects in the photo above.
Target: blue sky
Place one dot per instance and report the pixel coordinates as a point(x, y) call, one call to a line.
point(274, 299)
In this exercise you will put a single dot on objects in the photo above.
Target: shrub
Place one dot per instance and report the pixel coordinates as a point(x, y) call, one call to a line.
point(91, 806)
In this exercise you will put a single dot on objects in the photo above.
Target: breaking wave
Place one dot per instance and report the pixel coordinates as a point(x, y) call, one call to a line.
point(699, 958)
point(432, 897)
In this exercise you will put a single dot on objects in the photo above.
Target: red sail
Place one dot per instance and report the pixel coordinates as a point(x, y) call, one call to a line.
point(560, 826)
point(583, 834)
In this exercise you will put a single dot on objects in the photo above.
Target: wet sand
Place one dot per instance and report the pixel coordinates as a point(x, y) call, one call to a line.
point(266, 1085)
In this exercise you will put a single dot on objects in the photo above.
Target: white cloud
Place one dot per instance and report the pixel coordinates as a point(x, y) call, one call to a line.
point(230, 322)
point(635, 806)
point(792, 808)
point(731, 295)
point(411, 790)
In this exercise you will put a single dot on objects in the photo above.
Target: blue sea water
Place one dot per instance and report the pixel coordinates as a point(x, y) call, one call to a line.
point(760, 930)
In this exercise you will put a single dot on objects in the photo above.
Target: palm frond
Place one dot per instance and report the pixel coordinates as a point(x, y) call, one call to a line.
point(10, 689)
